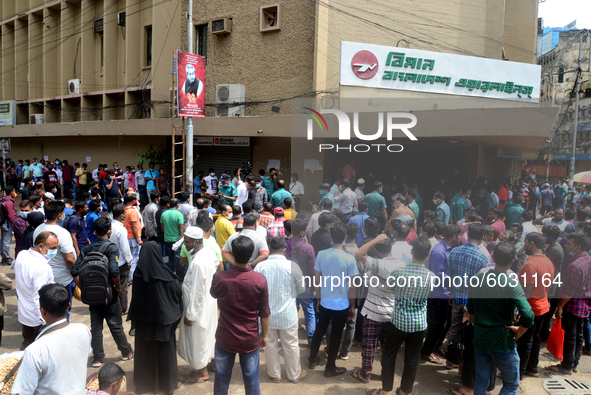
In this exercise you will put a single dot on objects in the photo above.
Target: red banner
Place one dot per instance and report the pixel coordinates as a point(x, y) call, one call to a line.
point(540, 170)
point(190, 85)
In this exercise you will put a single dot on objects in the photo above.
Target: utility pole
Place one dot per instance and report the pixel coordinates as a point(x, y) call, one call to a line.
point(572, 159)
point(548, 153)
point(189, 130)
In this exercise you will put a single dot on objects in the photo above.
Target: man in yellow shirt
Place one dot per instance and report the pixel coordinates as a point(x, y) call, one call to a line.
point(82, 175)
point(224, 229)
point(290, 212)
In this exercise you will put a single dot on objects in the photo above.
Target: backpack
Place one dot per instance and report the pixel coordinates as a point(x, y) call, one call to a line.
point(95, 281)
point(67, 219)
point(3, 216)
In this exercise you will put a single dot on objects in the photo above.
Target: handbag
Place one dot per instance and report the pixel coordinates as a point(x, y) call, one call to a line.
point(455, 347)
point(556, 339)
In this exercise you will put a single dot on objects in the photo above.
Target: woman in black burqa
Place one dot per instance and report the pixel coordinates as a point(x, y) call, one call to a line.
point(155, 311)
point(34, 218)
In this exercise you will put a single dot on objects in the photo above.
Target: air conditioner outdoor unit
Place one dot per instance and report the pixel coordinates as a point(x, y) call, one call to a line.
point(121, 19)
point(229, 100)
point(74, 86)
point(36, 119)
point(221, 26)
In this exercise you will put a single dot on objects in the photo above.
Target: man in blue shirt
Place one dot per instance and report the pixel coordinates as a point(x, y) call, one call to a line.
point(547, 199)
point(150, 177)
point(336, 301)
point(77, 227)
point(280, 195)
point(269, 182)
point(359, 220)
point(94, 209)
point(442, 210)
point(197, 184)
point(227, 192)
point(325, 195)
point(37, 169)
point(438, 306)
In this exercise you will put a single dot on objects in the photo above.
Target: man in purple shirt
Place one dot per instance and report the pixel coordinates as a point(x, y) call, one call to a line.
point(438, 304)
point(243, 298)
point(302, 253)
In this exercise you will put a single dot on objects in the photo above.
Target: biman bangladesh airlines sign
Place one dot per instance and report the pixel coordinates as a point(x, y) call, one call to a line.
point(377, 66)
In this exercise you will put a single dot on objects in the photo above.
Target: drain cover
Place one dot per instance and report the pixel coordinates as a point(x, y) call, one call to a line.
point(557, 385)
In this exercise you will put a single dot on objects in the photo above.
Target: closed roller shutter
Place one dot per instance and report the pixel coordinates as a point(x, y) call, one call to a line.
point(220, 158)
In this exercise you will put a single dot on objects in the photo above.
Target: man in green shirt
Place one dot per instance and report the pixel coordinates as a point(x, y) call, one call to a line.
point(377, 204)
point(411, 198)
point(269, 182)
point(513, 210)
point(280, 195)
point(172, 223)
point(228, 193)
point(492, 309)
point(459, 204)
point(419, 199)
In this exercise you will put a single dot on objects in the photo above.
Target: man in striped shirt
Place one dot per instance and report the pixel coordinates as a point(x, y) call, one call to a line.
point(411, 285)
point(379, 304)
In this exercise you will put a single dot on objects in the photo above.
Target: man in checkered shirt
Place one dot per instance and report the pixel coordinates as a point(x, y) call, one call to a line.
point(276, 228)
point(575, 300)
point(411, 286)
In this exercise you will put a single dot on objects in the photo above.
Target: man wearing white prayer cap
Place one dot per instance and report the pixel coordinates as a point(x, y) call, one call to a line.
point(197, 331)
point(359, 189)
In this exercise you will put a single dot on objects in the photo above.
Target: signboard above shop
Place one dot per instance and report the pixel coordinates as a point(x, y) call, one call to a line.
point(7, 112)
point(222, 141)
point(384, 67)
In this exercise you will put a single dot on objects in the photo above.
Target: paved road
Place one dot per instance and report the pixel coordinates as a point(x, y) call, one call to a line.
point(431, 379)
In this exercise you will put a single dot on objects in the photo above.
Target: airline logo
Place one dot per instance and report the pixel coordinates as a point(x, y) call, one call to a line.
point(364, 64)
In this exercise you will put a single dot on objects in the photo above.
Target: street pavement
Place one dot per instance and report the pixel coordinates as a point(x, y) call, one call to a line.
point(430, 379)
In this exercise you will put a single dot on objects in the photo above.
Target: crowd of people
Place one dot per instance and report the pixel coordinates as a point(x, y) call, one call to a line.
point(374, 268)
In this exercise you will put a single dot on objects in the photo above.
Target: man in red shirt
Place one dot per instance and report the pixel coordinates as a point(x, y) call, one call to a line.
point(535, 276)
point(67, 175)
point(503, 195)
point(243, 298)
point(493, 218)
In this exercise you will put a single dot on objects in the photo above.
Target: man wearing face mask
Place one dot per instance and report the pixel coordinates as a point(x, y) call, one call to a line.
point(223, 227)
point(29, 188)
point(37, 169)
point(64, 260)
point(297, 189)
point(112, 311)
point(325, 195)
point(442, 209)
point(7, 207)
point(20, 224)
point(31, 272)
point(260, 194)
point(197, 333)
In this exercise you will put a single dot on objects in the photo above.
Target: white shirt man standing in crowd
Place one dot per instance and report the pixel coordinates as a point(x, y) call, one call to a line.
point(149, 216)
point(347, 199)
point(297, 189)
point(31, 272)
point(285, 283)
point(64, 260)
point(55, 363)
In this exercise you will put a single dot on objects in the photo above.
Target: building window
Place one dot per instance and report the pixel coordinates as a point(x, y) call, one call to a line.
point(148, 45)
point(270, 18)
point(201, 40)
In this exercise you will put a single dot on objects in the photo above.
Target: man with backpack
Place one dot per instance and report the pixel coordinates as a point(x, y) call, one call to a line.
point(96, 272)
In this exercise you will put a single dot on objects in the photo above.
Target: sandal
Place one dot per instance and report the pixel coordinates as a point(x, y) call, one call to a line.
point(532, 374)
point(356, 374)
point(558, 369)
point(457, 391)
point(191, 378)
point(439, 351)
point(374, 391)
point(432, 358)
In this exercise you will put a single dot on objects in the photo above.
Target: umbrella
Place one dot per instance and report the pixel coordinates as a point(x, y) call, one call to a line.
point(583, 177)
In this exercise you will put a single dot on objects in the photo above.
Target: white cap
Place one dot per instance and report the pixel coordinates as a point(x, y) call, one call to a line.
point(361, 181)
point(49, 195)
point(194, 232)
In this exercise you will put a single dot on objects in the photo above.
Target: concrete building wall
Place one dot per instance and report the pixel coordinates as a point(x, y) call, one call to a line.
point(47, 43)
point(482, 28)
point(273, 66)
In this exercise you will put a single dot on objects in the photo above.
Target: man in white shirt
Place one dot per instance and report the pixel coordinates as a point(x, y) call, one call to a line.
point(379, 304)
point(55, 364)
point(249, 229)
point(31, 272)
point(296, 188)
point(359, 189)
point(242, 189)
point(528, 225)
point(400, 249)
point(285, 283)
point(210, 182)
point(96, 172)
point(347, 199)
point(64, 260)
point(313, 224)
point(119, 238)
